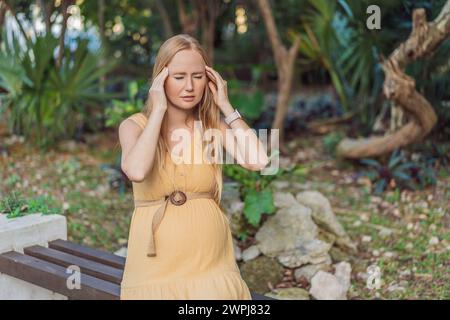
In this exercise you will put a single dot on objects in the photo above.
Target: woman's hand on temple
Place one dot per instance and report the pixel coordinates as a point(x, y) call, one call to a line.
point(219, 90)
point(157, 93)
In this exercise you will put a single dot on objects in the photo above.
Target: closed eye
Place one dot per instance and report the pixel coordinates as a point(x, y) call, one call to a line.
point(179, 78)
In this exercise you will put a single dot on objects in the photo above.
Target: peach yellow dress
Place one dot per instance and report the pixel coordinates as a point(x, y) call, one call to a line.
point(193, 242)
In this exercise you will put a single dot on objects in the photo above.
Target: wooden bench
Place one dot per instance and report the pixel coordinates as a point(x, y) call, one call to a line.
point(100, 272)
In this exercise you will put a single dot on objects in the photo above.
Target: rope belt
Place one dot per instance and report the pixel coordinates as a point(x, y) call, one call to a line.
point(177, 198)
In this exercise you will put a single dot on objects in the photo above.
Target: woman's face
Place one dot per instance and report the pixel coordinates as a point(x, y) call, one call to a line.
point(187, 80)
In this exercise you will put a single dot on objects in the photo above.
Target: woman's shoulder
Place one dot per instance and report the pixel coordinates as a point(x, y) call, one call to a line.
point(138, 118)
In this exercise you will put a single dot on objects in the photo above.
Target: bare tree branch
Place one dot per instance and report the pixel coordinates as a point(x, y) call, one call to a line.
point(64, 6)
point(168, 30)
point(189, 22)
point(285, 62)
point(398, 87)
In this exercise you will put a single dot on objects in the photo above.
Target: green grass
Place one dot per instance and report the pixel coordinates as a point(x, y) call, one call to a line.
point(15, 205)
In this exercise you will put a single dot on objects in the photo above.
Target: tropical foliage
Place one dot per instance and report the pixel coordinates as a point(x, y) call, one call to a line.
point(39, 97)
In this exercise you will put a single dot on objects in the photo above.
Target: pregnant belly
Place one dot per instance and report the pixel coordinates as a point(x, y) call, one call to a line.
point(196, 228)
point(193, 238)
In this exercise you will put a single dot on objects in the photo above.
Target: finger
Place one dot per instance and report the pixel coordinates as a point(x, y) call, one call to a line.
point(164, 73)
point(211, 75)
point(212, 87)
point(217, 76)
point(156, 81)
point(213, 72)
point(161, 77)
point(216, 80)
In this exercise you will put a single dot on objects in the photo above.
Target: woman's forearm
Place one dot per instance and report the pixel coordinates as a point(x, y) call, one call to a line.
point(141, 157)
point(249, 145)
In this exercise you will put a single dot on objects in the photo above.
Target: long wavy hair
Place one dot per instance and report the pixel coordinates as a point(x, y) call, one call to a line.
point(206, 110)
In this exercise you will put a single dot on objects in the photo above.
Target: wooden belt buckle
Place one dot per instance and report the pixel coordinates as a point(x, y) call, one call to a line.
point(178, 198)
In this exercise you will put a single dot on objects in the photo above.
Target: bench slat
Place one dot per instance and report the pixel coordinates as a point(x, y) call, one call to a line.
point(64, 259)
point(54, 277)
point(88, 253)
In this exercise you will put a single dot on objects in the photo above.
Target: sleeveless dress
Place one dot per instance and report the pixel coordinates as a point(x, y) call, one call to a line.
point(194, 245)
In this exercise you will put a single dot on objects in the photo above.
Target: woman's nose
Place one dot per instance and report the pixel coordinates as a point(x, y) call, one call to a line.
point(189, 85)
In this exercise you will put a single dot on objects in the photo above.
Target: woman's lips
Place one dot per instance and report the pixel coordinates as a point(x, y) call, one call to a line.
point(188, 99)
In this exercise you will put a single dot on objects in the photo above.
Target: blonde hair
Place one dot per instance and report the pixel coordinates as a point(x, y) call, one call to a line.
point(206, 110)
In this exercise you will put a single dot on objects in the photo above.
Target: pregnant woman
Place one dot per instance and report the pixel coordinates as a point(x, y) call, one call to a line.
point(180, 243)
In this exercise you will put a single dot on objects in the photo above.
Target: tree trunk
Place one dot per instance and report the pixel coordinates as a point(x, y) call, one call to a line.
point(47, 9)
point(167, 25)
point(398, 87)
point(189, 22)
point(398, 117)
point(208, 12)
point(64, 5)
point(285, 62)
point(203, 16)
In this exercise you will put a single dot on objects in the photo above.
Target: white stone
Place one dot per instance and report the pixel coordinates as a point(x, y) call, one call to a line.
point(314, 252)
point(325, 286)
point(250, 253)
point(237, 206)
point(287, 230)
point(121, 252)
point(284, 199)
point(433, 241)
point(343, 272)
point(310, 270)
point(322, 213)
